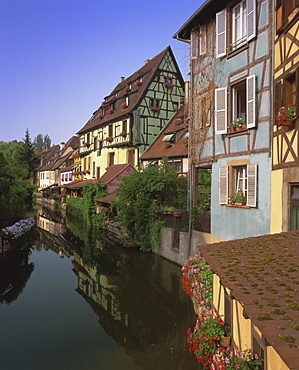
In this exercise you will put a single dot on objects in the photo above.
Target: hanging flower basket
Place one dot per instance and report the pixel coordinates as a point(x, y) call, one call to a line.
point(123, 134)
point(168, 85)
point(286, 117)
point(155, 109)
point(109, 139)
point(138, 83)
point(110, 111)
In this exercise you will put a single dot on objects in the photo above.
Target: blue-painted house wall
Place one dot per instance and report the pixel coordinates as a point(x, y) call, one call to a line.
point(255, 143)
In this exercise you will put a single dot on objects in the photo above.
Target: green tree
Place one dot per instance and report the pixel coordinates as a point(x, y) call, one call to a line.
point(27, 156)
point(40, 142)
point(140, 193)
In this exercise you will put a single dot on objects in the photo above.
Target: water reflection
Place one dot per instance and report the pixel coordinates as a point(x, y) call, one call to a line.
point(137, 296)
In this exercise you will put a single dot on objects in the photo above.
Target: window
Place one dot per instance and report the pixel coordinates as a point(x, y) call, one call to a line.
point(198, 42)
point(110, 130)
point(154, 103)
point(93, 169)
point(294, 207)
point(177, 164)
point(239, 31)
point(62, 177)
point(111, 159)
point(124, 126)
point(238, 175)
point(286, 10)
point(100, 147)
point(88, 138)
point(95, 141)
point(241, 27)
point(167, 80)
point(131, 157)
point(286, 91)
point(241, 103)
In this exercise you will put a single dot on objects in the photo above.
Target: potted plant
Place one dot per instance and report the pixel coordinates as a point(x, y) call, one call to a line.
point(186, 142)
point(178, 121)
point(138, 83)
point(124, 105)
point(109, 111)
point(240, 124)
point(168, 85)
point(155, 109)
point(286, 116)
point(167, 144)
point(127, 89)
point(233, 358)
point(104, 102)
point(109, 139)
point(239, 199)
point(86, 145)
point(113, 97)
point(232, 126)
point(123, 134)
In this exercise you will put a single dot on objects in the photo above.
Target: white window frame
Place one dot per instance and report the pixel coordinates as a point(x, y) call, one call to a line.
point(236, 42)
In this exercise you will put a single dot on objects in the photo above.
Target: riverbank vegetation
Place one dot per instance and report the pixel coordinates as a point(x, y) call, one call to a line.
point(18, 161)
point(85, 208)
point(142, 194)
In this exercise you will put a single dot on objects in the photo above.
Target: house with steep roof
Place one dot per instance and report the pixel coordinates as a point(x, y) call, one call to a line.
point(132, 115)
point(172, 143)
point(57, 163)
point(230, 111)
point(285, 158)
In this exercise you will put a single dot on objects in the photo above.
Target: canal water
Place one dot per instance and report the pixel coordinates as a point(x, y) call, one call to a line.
point(73, 298)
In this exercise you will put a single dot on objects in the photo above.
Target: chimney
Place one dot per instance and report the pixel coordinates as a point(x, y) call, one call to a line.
point(62, 144)
point(148, 60)
point(122, 79)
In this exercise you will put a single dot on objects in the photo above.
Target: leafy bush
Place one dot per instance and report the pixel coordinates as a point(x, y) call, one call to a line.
point(139, 194)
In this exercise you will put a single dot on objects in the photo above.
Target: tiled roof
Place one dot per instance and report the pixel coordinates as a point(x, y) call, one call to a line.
point(146, 73)
point(263, 274)
point(77, 184)
point(158, 150)
point(113, 171)
point(107, 199)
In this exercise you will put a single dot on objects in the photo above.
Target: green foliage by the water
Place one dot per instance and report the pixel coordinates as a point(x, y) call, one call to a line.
point(85, 208)
point(141, 193)
point(17, 164)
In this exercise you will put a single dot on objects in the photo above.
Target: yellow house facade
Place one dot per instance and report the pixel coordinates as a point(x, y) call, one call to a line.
point(132, 116)
point(285, 153)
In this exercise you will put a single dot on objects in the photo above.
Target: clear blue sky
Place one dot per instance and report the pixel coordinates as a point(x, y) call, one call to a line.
point(59, 58)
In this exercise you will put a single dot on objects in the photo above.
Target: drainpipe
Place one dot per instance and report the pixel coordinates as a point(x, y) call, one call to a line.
point(190, 165)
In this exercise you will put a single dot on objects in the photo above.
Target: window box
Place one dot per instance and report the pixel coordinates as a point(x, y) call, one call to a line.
point(127, 89)
point(86, 145)
point(168, 85)
point(124, 105)
point(109, 139)
point(138, 83)
point(110, 111)
point(155, 109)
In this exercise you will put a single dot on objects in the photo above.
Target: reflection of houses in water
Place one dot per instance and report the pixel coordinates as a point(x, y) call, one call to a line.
point(51, 236)
point(14, 274)
point(151, 329)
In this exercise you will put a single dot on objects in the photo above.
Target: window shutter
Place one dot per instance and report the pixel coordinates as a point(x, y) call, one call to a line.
point(251, 19)
point(279, 15)
point(223, 185)
point(250, 100)
point(202, 41)
point(251, 184)
point(220, 110)
point(221, 34)
point(194, 44)
point(277, 97)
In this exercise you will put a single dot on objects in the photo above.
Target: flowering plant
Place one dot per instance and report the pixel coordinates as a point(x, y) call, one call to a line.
point(109, 139)
point(178, 121)
point(138, 83)
point(19, 228)
point(168, 85)
point(123, 134)
point(155, 109)
point(127, 89)
point(109, 111)
point(233, 359)
point(124, 105)
point(75, 155)
point(286, 116)
point(204, 339)
point(186, 142)
point(104, 102)
point(238, 122)
point(239, 197)
point(197, 282)
point(166, 144)
point(112, 97)
point(86, 145)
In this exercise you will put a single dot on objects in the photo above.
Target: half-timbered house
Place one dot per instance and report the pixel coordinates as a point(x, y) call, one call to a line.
point(285, 174)
point(130, 118)
point(230, 115)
